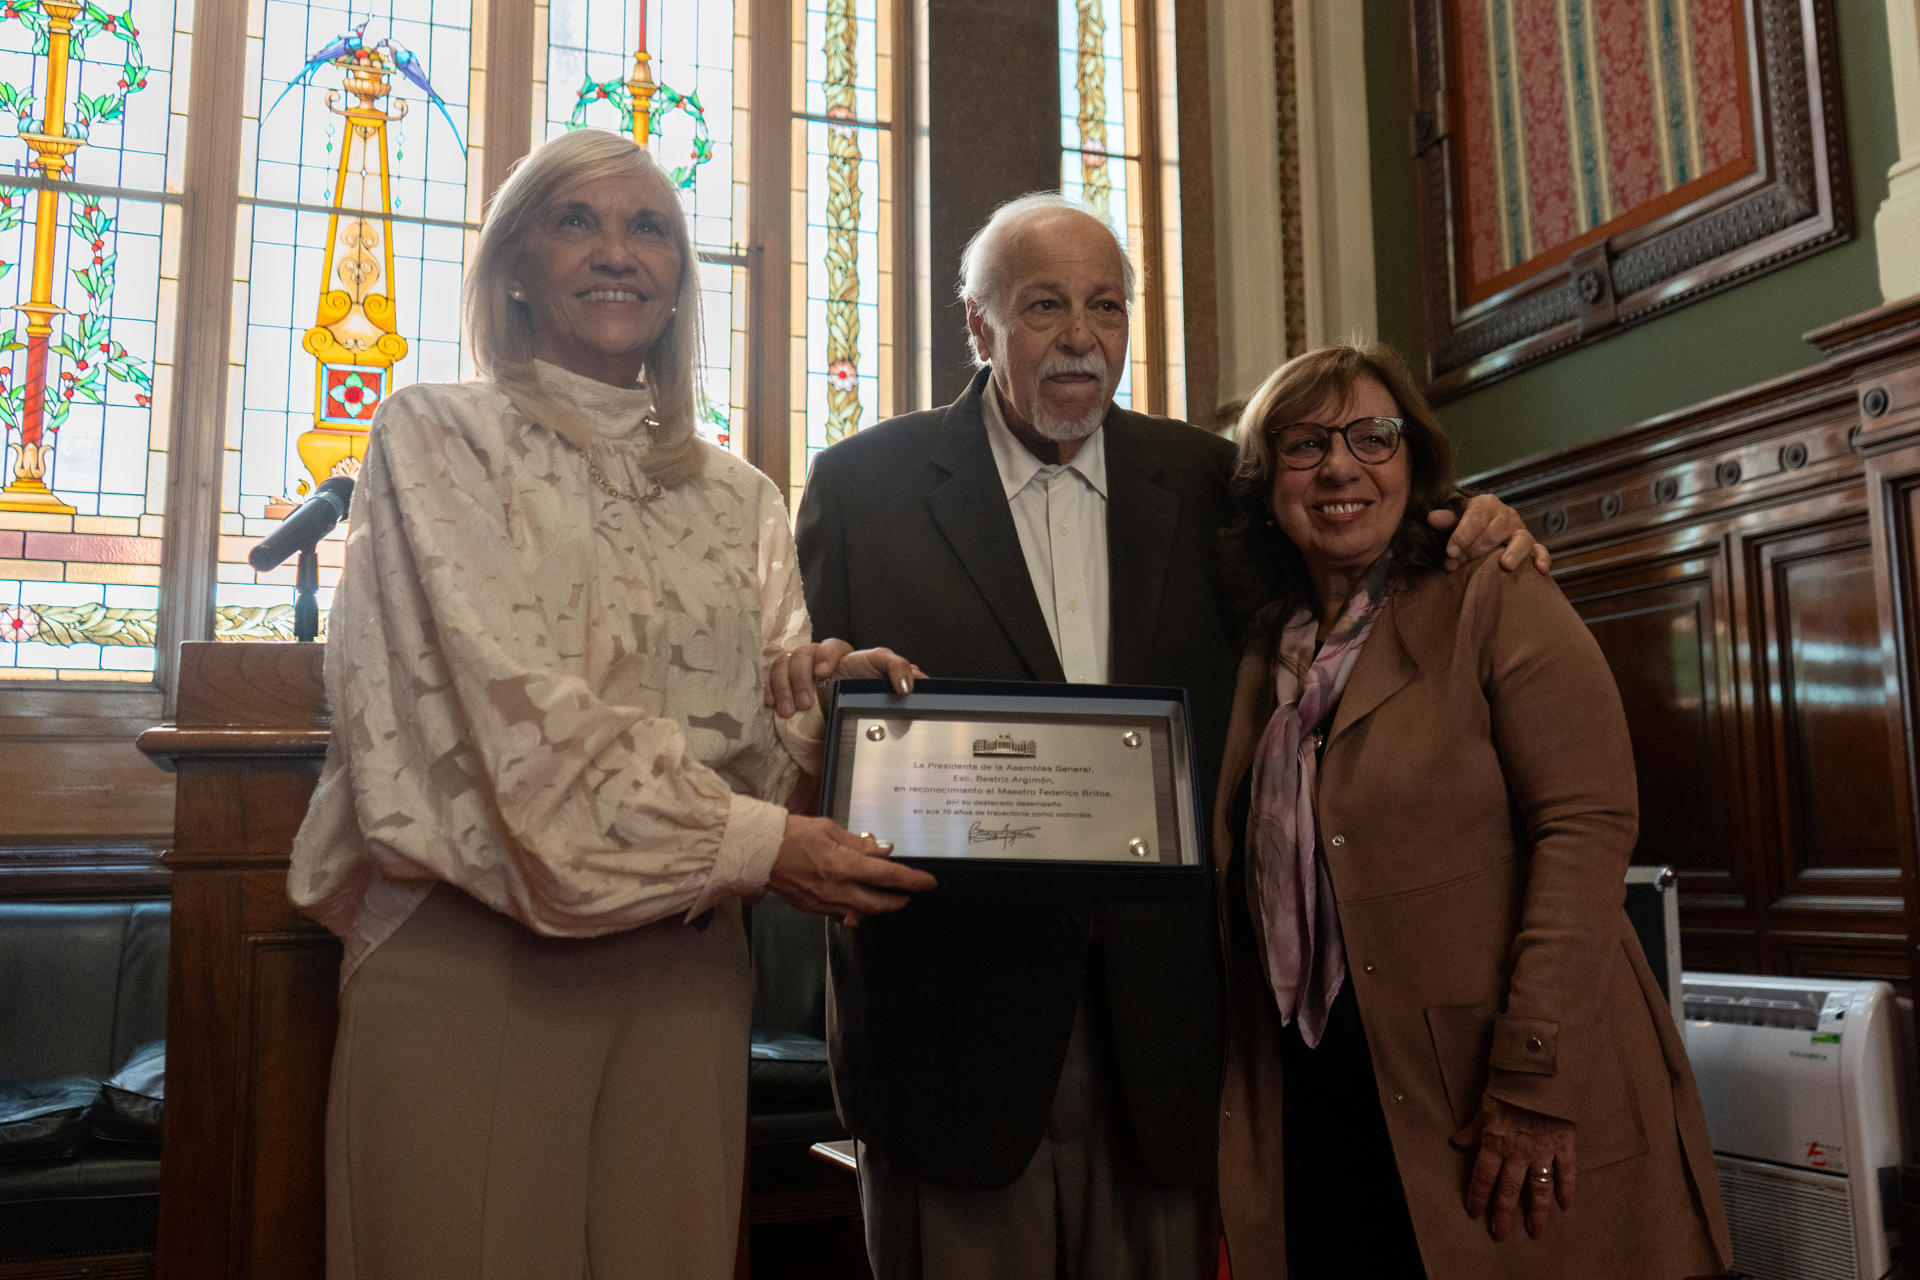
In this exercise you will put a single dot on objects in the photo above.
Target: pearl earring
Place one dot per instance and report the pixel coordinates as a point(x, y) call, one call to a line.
point(517, 294)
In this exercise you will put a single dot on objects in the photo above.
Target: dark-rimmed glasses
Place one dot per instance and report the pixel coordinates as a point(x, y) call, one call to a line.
point(1303, 446)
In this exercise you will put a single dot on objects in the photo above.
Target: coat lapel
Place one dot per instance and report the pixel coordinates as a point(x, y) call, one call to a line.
point(1142, 519)
point(971, 512)
point(1385, 666)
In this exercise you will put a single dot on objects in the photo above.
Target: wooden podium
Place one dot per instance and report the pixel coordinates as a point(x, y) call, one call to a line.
point(251, 983)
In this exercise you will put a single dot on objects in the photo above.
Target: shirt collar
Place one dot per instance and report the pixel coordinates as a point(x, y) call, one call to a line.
point(1016, 463)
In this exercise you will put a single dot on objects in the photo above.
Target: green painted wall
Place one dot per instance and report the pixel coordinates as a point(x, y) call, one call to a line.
point(1747, 334)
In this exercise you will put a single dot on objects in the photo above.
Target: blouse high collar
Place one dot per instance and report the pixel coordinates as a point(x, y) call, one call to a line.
point(611, 413)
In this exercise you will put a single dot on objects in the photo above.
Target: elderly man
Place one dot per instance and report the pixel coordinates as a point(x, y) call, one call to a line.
point(1033, 1083)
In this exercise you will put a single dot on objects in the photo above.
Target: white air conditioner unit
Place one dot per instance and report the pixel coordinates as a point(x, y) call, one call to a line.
point(1800, 1085)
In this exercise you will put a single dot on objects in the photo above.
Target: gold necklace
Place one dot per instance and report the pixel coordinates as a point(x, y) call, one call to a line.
point(612, 490)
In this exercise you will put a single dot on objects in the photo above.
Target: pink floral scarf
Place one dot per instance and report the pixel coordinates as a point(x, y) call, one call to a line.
point(1295, 922)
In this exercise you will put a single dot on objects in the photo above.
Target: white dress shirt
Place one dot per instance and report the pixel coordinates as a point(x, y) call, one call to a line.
point(1060, 513)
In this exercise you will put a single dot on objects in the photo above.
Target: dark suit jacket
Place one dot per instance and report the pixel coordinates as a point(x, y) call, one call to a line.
point(949, 1020)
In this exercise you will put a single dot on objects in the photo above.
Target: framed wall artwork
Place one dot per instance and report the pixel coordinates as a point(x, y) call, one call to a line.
point(1583, 165)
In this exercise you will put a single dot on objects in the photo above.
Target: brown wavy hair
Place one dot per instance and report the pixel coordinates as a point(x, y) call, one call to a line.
point(1263, 574)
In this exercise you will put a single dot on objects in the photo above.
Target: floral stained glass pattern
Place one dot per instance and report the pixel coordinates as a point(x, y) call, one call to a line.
point(89, 231)
point(1118, 88)
point(672, 76)
point(359, 201)
point(843, 270)
point(1100, 131)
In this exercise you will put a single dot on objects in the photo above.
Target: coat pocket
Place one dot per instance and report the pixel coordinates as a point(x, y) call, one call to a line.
point(1462, 1042)
point(1609, 1124)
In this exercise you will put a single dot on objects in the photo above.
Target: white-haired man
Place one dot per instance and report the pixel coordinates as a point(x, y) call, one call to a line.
point(1033, 1083)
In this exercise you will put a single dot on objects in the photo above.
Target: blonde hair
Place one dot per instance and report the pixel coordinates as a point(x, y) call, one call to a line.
point(501, 330)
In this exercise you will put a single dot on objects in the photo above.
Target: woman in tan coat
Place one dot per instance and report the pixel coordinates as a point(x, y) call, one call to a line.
point(1441, 1019)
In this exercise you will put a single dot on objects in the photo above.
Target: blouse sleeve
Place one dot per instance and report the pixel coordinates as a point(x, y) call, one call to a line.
point(786, 626)
point(477, 757)
point(1562, 740)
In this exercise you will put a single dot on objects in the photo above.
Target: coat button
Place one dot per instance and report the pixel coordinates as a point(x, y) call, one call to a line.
point(1337, 841)
point(1535, 1044)
point(1072, 923)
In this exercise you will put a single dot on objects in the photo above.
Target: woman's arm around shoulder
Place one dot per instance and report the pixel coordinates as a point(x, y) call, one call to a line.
point(1561, 736)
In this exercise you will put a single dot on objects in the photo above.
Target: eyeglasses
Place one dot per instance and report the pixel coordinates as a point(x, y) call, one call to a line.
point(1303, 446)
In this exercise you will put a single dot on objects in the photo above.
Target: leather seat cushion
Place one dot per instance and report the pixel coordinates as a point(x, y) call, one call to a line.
point(45, 1119)
point(128, 1108)
point(787, 1067)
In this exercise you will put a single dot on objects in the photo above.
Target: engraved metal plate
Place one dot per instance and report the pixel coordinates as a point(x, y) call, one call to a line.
point(957, 788)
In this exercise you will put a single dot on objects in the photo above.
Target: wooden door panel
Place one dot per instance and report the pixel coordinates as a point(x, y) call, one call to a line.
point(1828, 815)
point(1660, 622)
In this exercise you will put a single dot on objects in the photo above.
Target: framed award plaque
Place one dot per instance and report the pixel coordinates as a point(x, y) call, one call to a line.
point(1017, 789)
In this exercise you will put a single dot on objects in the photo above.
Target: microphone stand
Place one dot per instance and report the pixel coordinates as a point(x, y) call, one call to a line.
point(306, 595)
point(300, 534)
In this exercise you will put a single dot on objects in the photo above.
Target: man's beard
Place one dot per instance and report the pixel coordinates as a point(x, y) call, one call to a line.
point(1065, 430)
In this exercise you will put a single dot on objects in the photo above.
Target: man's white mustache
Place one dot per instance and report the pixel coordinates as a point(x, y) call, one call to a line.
point(1089, 363)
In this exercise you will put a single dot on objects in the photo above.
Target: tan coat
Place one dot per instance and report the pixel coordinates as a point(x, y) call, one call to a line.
point(1477, 809)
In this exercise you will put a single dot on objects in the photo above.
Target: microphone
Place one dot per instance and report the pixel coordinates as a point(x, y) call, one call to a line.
point(313, 521)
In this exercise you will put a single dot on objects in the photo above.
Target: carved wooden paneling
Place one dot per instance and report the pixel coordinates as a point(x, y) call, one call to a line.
point(69, 751)
point(294, 984)
point(1824, 695)
point(1751, 568)
point(251, 1000)
point(1660, 622)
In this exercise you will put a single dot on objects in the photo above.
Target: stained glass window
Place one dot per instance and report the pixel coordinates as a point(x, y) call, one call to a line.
point(359, 199)
point(842, 359)
point(1118, 95)
point(689, 95)
point(92, 144)
point(359, 194)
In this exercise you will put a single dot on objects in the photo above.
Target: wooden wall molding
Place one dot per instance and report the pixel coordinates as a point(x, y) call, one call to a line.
point(70, 870)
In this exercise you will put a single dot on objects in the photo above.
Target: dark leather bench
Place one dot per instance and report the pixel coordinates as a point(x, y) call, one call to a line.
point(83, 991)
point(84, 988)
point(789, 1097)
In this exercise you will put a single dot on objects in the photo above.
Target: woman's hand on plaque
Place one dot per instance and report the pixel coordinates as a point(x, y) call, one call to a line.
point(825, 869)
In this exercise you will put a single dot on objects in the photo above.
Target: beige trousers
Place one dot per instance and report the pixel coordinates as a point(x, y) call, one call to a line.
point(511, 1107)
point(1081, 1209)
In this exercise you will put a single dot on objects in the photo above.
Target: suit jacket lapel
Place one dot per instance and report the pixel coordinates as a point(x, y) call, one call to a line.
point(971, 512)
point(1141, 523)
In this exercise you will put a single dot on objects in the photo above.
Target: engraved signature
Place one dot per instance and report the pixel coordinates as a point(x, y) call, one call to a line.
point(1004, 835)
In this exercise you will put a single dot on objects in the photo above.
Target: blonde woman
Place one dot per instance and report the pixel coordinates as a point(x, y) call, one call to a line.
point(552, 780)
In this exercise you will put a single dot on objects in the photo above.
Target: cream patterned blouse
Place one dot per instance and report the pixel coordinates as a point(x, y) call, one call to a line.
point(546, 695)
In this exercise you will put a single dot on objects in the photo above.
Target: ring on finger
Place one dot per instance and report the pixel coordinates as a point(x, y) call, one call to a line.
point(1542, 1176)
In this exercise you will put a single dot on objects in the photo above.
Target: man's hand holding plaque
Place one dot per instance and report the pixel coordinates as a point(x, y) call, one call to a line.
point(822, 867)
point(792, 676)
